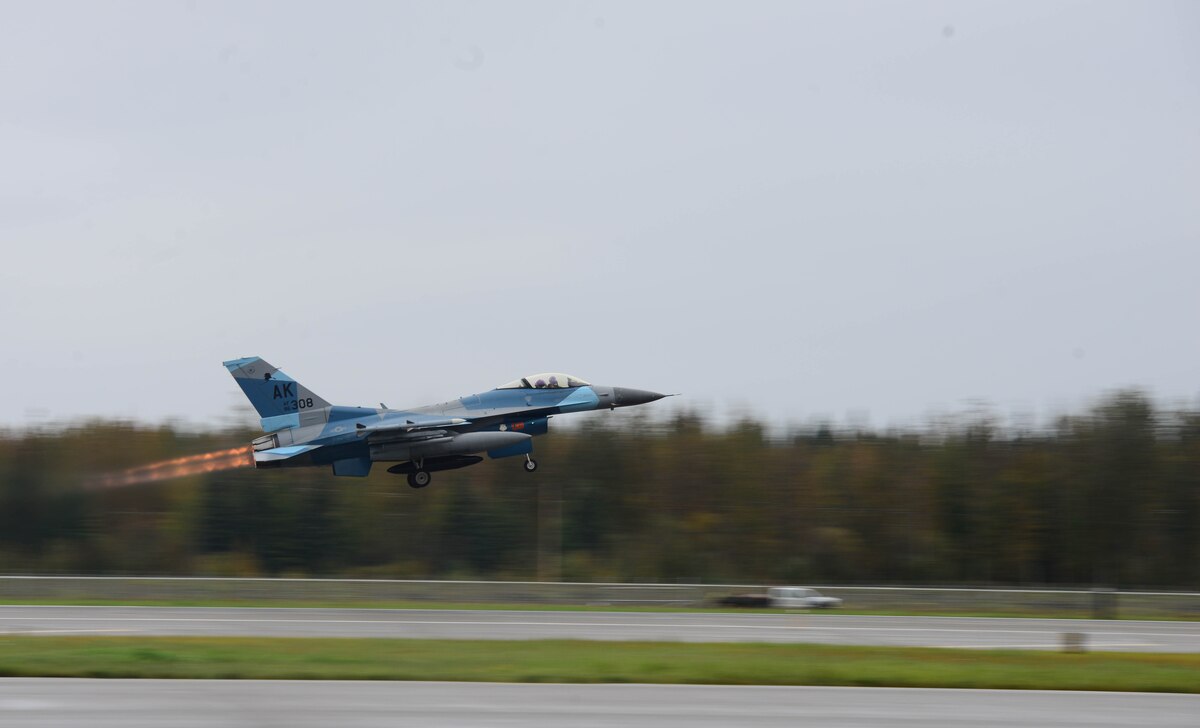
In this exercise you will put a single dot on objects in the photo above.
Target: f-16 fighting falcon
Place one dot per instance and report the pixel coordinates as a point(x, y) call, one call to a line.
point(305, 430)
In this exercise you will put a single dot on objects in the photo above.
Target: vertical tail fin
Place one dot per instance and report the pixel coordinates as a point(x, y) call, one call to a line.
point(278, 398)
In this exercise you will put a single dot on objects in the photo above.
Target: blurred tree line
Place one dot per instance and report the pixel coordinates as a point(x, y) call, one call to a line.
point(1108, 497)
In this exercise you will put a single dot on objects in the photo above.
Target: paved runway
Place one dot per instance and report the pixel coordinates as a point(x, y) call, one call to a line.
point(963, 632)
point(46, 702)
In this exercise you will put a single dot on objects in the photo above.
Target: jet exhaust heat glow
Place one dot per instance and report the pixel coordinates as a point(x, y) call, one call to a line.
point(209, 462)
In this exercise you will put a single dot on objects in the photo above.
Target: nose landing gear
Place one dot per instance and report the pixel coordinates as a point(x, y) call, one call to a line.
point(530, 464)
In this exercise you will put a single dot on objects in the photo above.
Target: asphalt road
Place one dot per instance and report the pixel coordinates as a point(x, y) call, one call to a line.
point(822, 628)
point(46, 702)
point(451, 624)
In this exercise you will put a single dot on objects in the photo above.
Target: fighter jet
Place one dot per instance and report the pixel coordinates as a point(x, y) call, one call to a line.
point(305, 430)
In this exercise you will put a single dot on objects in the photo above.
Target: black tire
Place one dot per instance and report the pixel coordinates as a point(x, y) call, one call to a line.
point(530, 466)
point(419, 479)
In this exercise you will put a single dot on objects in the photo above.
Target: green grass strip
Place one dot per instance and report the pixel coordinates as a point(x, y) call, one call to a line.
point(571, 661)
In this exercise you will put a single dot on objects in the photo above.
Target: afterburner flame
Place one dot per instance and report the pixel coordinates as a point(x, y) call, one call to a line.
point(209, 462)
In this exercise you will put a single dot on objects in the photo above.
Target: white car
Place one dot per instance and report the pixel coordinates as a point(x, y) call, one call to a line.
point(796, 597)
point(782, 597)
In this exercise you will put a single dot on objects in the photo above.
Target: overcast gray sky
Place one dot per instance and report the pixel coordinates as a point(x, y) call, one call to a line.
point(795, 209)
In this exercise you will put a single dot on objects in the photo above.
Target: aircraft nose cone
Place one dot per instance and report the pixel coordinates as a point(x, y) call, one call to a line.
point(625, 397)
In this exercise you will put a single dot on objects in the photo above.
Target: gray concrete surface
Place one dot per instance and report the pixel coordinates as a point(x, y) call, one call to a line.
point(46, 702)
point(351, 592)
point(823, 628)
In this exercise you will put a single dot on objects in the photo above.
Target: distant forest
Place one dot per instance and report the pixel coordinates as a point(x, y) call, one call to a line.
point(1107, 497)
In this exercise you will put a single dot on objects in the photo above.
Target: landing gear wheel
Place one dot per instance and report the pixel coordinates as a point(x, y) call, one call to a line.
point(419, 478)
point(530, 464)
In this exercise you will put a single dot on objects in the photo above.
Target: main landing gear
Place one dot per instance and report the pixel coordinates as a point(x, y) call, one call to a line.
point(420, 477)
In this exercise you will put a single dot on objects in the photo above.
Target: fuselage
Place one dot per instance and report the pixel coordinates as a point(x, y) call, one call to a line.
point(500, 422)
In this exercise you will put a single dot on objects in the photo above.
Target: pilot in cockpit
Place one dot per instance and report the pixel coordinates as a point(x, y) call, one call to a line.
point(546, 380)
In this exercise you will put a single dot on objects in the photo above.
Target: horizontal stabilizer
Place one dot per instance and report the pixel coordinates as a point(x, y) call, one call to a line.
point(282, 453)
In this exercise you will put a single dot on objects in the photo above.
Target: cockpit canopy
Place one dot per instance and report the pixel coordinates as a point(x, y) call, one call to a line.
point(545, 380)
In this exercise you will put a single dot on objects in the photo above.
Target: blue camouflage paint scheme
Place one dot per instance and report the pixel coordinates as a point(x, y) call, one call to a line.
point(268, 395)
point(530, 426)
point(280, 422)
point(278, 399)
point(353, 467)
point(523, 448)
point(579, 400)
point(347, 437)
